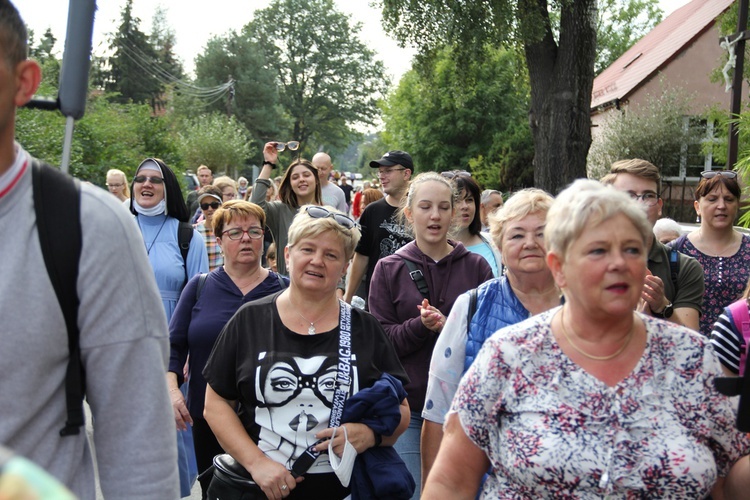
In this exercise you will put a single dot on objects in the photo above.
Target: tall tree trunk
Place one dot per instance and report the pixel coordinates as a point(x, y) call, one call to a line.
point(561, 77)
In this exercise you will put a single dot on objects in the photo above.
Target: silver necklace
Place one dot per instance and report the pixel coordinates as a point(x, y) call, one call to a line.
point(311, 328)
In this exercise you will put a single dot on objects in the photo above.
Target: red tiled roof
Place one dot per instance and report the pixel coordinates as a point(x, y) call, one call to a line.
point(655, 50)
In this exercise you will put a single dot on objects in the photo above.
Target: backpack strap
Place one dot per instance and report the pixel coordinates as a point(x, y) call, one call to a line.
point(57, 205)
point(184, 236)
point(282, 283)
point(674, 266)
point(418, 278)
point(741, 319)
point(472, 306)
point(201, 284)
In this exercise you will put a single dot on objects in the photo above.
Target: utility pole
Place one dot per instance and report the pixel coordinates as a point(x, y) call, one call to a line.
point(736, 103)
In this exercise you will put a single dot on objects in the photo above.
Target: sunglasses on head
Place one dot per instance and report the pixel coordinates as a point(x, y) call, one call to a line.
point(291, 145)
point(727, 174)
point(322, 213)
point(455, 173)
point(140, 179)
point(213, 204)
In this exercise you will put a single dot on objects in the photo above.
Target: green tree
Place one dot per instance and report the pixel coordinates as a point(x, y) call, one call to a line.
point(255, 102)
point(560, 64)
point(654, 131)
point(133, 63)
point(622, 23)
point(215, 140)
point(454, 115)
point(329, 81)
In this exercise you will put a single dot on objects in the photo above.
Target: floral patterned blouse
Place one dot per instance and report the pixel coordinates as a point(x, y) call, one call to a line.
point(552, 430)
point(725, 278)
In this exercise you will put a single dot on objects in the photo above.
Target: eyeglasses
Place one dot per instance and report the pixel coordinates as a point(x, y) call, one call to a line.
point(114, 185)
point(455, 173)
point(140, 179)
point(649, 198)
point(213, 204)
point(322, 213)
point(727, 174)
point(254, 233)
point(388, 171)
point(292, 145)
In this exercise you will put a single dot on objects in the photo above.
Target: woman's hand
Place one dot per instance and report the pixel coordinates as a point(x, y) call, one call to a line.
point(360, 436)
point(431, 317)
point(181, 414)
point(270, 153)
point(273, 478)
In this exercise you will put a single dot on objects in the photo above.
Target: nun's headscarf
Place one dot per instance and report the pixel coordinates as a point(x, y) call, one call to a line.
point(173, 203)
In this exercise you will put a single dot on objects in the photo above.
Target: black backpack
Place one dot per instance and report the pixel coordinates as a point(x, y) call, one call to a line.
point(57, 205)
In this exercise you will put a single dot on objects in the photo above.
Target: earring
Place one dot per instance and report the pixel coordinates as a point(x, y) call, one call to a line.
point(698, 219)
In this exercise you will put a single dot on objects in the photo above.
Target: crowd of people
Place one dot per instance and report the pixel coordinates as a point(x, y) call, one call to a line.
point(518, 345)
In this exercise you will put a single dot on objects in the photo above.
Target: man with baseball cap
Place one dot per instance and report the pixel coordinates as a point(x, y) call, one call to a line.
point(210, 199)
point(382, 235)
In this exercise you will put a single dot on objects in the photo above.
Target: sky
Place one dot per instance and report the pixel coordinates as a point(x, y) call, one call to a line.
point(196, 21)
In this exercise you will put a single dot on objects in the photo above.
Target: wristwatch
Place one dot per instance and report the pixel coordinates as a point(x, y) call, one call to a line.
point(665, 313)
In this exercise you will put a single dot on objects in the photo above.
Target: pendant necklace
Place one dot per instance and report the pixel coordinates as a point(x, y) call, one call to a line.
point(591, 356)
point(311, 328)
point(149, 247)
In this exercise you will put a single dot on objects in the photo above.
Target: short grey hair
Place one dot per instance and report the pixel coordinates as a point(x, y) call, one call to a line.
point(304, 226)
point(587, 203)
point(519, 205)
point(667, 225)
point(486, 195)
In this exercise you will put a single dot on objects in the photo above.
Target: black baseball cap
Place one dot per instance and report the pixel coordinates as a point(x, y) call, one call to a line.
point(394, 158)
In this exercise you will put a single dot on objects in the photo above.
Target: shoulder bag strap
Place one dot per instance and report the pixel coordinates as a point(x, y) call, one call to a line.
point(343, 384)
point(418, 278)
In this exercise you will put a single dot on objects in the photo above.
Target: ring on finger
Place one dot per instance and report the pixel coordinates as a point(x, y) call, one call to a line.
point(283, 487)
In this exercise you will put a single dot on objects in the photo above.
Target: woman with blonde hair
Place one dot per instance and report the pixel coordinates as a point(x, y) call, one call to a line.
point(591, 399)
point(281, 369)
point(117, 184)
point(413, 291)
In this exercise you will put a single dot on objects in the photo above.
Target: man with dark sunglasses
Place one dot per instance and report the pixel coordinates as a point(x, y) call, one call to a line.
point(120, 335)
point(382, 234)
point(209, 199)
point(674, 288)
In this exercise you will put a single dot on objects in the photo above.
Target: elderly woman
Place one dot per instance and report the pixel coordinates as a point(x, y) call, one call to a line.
point(284, 361)
point(207, 303)
point(413, 311)
point(526, 288)
point(592, 399)
point(300, 186)
point(722, 251)
point(162, 217)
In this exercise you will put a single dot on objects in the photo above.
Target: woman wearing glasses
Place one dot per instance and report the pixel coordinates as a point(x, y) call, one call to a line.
point(716, 245)
point(161, 213)
point(413, 311)
point(209, 200)
point(205, 307)
point(300, 186)
point(278, 362)
point(117, 184)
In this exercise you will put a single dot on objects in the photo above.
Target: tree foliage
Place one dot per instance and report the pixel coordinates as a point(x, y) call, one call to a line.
point(560, 64)
point(329, 81)
point(655, 131)
point(450, 115)
point(215, 140)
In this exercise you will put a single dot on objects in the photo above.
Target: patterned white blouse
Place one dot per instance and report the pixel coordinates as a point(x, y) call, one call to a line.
point(552, 430)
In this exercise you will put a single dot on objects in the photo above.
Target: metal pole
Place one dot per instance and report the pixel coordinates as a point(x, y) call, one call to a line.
point(67, 143)
point(736, 103)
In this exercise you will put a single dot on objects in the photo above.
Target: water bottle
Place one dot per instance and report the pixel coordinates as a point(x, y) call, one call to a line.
point(358, 302)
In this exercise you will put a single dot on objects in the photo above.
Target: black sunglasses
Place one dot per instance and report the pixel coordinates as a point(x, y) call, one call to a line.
point(322, 213)
point(140, 179)
point(727, 174)
point(213, 204)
